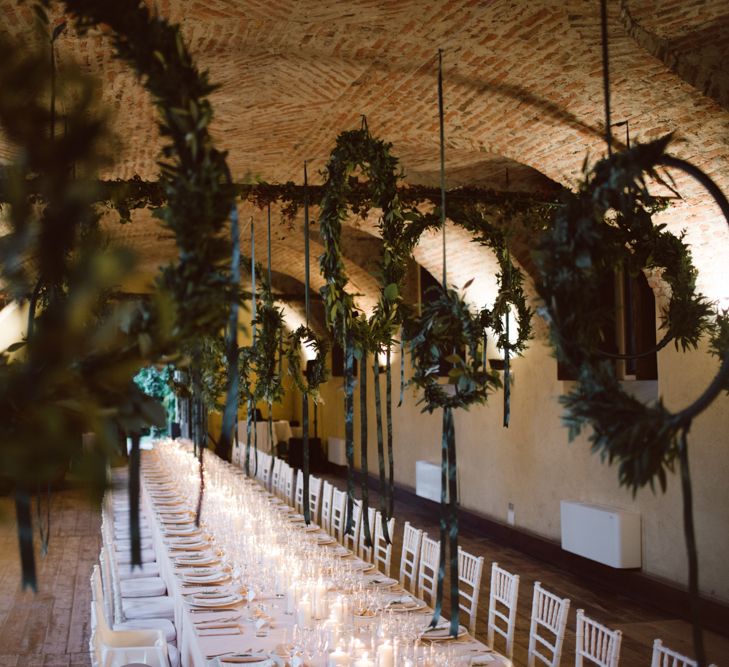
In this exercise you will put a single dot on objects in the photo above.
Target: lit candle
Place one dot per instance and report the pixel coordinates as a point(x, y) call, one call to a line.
point(320, 599)
point(364, 661)
point(338, 658)
point(337, 610)
point(303, 617)
point(291, 598)
point(385, 655)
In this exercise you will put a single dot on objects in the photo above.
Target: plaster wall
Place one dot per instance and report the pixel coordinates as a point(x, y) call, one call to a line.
point(533, 466)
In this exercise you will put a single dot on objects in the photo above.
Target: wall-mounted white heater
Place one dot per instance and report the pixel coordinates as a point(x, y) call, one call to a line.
point(604, 534)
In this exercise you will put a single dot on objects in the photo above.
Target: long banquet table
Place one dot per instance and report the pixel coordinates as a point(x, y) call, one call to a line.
point(295, 597)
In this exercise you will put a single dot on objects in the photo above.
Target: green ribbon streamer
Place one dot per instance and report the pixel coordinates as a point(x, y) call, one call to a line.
point(44, 530)
point(507, 356)
point(249, 421)
point(402, 367)
point(380, 447)
point(231, 401)
point(364, 472)
point(453, 518)
point(305, 397)
point(390, 455)
point(25, 538)
point(448, 523)
point(270, 427)
point(349, 426)
point(254, 310)
point(134, 532)
point(443, 517)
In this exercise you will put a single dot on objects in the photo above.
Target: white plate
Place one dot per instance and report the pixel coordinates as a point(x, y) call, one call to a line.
point(215, 578)
point(257, 659)
point(413, 604)
point(380, 581)
point(218, 600)
point(195, 561)
point(323, 540)
point(441, 632)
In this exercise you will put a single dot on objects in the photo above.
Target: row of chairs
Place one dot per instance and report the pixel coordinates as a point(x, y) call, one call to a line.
point(419, 563)
point(131, 614)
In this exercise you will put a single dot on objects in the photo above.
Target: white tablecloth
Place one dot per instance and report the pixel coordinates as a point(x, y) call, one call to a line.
point(195, 649)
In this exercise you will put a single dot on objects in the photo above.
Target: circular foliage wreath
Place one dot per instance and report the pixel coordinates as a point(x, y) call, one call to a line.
point(447, 332)
point(400, 230)
point(607, 224)
point(316, 372)
point(194, 174)
point(267, 350)
point(510, 280)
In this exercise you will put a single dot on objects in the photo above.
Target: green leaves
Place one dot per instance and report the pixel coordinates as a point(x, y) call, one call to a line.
point(448, 332)
point(607, 225)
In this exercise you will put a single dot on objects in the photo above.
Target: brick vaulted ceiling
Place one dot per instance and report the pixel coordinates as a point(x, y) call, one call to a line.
point(523, 102)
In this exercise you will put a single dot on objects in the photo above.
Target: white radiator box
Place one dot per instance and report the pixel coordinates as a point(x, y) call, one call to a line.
point(427, 480)
point(337, 451)
point(604, 534)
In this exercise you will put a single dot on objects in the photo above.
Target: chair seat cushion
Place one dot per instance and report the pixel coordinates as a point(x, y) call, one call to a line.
point(125, 545)
point(125, 557)
point(154, 607)
point(145, 587)
point(126, 571)
point(166, 626)
point(174, 655)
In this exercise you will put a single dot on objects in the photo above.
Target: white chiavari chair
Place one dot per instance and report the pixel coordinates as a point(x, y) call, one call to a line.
point(665, 657)
point(365, 552)
point(327, 492)
point(114, 648)
point(383, 548)
point(351, 540)
point(339, 511)
point(470, 569)
point(289, 483)
point(549, 613)
point(596, 643)
point(275, 474)
point(428, 570)
point(504, 592)
point(264, 467)
point(412, 541)
point(315, 485)
point(299, 493)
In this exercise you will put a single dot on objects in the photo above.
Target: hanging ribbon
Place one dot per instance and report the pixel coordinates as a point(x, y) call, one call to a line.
point(230, 415)
point(25, 538)
point(452, 515)
point(402, 366)
point(305, 396)
point(134, 531)
point(249, 422)
point(44, 527)
point(380, 447)
point(448, 491)
point(390, 455)
point(254, 309)
point(507, 354)
point(364, 467)
point(349, 424)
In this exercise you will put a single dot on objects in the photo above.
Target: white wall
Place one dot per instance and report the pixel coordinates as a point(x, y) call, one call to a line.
point(532, 465)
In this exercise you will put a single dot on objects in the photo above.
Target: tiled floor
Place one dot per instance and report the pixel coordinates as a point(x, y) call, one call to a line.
point(51, 627)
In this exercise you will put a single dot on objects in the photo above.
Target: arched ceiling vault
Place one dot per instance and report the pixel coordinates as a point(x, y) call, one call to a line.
point(523, 95)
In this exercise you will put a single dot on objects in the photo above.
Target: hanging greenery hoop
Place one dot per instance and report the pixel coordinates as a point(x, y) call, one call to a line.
point(194, 175)
point(448, 332)
point(608, 224)
point(316, 372)
point(270, 330)
point(400, 229)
